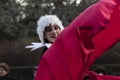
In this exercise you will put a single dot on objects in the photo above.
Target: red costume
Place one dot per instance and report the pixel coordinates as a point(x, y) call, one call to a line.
point(78, 46)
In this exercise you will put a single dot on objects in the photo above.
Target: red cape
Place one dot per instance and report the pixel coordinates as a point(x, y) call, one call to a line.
point(71, 55)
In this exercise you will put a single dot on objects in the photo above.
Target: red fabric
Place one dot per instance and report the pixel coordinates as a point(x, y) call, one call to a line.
point(108, 37)
point(70, 55)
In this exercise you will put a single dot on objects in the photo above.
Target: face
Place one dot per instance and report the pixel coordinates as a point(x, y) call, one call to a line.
point(51, 33)
point(3, 72)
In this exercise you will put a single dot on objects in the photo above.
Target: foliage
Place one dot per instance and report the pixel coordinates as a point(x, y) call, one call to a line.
point(18, 19)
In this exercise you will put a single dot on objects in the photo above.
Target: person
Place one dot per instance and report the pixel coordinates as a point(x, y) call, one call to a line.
point(4, 72)
point(85, 39)
point(49, 27)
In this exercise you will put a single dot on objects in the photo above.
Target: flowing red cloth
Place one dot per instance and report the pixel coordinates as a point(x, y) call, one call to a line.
point(71, 55)
point(108, 37)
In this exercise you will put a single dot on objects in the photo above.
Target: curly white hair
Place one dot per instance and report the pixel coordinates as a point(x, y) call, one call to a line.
point(44, 21)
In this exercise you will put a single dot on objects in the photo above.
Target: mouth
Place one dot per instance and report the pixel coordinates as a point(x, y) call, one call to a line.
point(53, 36)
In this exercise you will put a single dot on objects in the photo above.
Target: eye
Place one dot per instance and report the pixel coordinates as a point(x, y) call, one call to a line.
point(56, 27)
point(48, 29)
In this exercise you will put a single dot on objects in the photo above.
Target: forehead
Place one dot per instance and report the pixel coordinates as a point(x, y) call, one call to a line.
point(52, 25)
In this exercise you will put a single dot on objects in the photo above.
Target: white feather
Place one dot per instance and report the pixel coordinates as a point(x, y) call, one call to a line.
point(35, 45)
point(48, 45)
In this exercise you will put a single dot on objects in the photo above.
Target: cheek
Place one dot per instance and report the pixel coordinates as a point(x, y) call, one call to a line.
point(47, 35)
point(59, 31)
point(2, 73)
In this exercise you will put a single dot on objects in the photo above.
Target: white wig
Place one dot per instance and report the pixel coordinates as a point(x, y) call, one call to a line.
point(45, 21)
